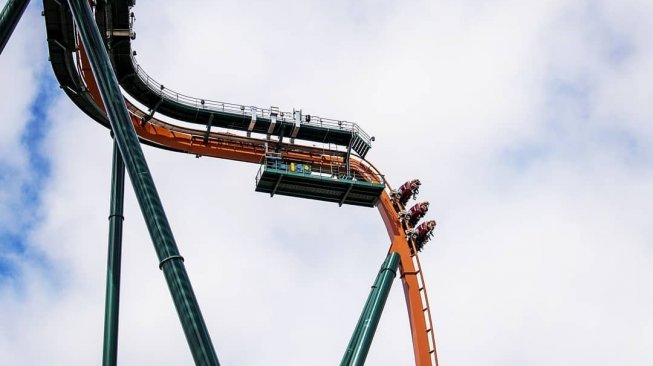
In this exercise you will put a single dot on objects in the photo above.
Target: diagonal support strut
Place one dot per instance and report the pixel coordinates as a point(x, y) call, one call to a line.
point(191, 318)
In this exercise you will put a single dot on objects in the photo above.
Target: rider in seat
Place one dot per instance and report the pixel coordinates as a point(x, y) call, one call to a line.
point(421, 234)
point(417, 212)
point(408, 189)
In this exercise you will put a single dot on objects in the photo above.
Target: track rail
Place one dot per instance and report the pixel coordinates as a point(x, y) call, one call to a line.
point(71, 67)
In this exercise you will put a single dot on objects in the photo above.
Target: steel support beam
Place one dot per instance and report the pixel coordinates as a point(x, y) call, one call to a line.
point(355, 338)
point(208, 129)
point(170, 261)
point(276, 185)
point(361, 340)
point(344, 196)
point(112, 299)
point(11, 14)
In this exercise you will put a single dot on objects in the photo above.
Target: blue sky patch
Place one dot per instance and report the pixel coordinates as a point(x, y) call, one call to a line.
point(26, 202)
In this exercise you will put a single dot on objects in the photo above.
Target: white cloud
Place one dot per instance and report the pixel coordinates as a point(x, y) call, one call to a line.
point(18, 72)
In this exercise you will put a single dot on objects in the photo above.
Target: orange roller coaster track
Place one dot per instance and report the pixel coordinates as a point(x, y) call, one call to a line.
point(71, 65)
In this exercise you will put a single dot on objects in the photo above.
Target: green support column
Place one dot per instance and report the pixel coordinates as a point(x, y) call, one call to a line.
point(112, 300)
point(355, 338)
point(11, 14)
point(170, 261)
point(361, 340)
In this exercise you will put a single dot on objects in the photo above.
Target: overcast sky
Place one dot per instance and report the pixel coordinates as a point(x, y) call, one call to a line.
point(528, 122)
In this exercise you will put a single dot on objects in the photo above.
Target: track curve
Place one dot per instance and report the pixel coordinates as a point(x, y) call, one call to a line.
point(76, 79)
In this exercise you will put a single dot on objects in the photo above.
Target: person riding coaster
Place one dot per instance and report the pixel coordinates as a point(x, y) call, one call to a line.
point(408, 189)
point(421, 234)
point(412, 216)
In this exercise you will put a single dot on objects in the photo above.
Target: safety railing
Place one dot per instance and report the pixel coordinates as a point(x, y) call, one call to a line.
point(242, 110)
point(336, 171)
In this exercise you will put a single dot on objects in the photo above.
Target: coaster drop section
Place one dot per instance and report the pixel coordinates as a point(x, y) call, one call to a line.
point(90, 49)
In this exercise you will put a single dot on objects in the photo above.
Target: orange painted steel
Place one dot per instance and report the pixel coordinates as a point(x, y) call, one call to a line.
point(235, 147)
point(421, 325)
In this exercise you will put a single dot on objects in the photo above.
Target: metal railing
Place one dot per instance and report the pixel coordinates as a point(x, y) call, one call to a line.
point(327, 172)
point(243, 110)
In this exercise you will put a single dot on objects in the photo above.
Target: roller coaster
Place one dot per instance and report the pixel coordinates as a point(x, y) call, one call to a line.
point(90, 50)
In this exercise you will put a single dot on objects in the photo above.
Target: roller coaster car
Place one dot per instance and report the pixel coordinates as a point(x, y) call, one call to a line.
point(300, 179)
point(407, 190)
point(414, 214)
point(421, 234)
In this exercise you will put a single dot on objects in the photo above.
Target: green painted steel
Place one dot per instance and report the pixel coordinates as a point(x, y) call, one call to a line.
point(11, 14)
point(277, 178)
point(361, 340)
point(112, 299)
point(364, 318)
point(355, 338)
point(170, 260)
point(384, 283)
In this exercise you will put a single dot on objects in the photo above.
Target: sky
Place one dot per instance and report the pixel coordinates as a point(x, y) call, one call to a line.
point(528, 123)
